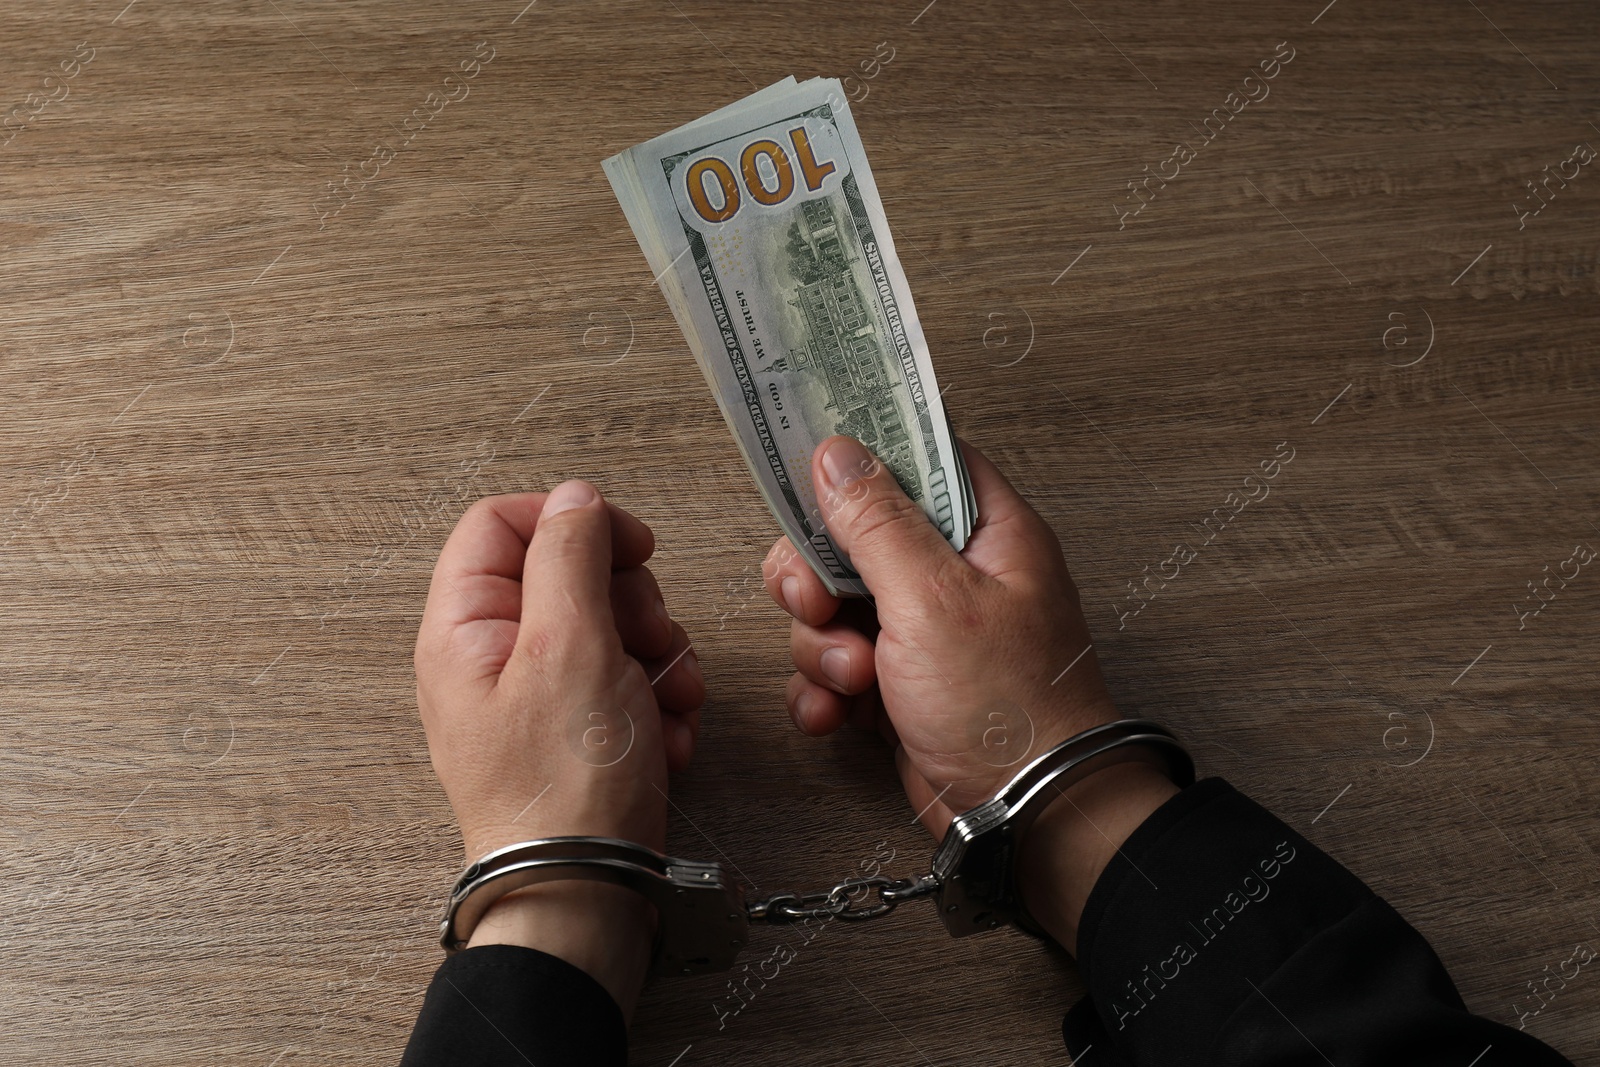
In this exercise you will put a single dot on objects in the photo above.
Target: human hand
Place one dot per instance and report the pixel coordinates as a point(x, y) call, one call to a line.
point(972, 663)
point(556, 692)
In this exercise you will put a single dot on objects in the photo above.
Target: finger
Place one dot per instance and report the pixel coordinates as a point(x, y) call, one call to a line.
point(489, 542)
point(675, 675)
point(475, 594)
point(1009, 534)
point(834, 655)
point(640, 613)
point(886, 535)
point(566, 583)
point(492, 536)
point(795, 587)
point(479, 572)
point(680, 734)
point(815, 710)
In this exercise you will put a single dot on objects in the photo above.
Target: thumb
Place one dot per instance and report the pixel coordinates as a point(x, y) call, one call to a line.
point(887, 536)
point(566, 576)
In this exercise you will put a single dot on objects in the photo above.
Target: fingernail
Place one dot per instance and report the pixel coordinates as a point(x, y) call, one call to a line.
point(566, 496)
point(791, 595)
point(683, 737)
point(663, 615)
point(692, 662)
point(844, 461)
point(836, 666)
point(804, 708)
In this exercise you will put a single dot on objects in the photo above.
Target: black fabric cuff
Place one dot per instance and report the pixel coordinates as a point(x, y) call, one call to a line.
point(507, 1004)
point(1210, 894)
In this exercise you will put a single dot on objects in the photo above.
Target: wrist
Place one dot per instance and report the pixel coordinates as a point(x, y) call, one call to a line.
point(1070, 844)
point(604, 930)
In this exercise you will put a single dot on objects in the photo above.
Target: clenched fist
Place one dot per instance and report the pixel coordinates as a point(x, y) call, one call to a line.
point(556, 692)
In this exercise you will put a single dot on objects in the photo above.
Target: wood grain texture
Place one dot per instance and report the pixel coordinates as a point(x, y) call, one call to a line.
point(238, 432)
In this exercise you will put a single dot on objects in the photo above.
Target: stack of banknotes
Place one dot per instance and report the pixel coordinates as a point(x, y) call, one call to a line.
point(763, 227)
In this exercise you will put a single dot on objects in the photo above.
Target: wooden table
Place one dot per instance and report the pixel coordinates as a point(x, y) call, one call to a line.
point(273, 315)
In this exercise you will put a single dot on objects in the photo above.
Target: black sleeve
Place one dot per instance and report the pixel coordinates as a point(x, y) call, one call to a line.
point(512, 1006)
point(1220, 936)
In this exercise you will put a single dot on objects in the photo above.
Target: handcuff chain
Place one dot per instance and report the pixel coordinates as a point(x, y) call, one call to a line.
point(705, 915)
point(845, 901)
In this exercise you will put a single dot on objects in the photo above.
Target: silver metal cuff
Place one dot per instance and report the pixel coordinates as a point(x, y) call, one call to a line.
point(701, 922)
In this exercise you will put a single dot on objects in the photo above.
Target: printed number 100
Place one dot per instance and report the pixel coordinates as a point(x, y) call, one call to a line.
point(727, 185)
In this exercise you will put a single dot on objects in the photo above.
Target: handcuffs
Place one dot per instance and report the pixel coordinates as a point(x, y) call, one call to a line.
point(704, 918)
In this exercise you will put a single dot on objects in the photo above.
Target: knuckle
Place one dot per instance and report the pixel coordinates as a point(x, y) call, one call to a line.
point(539, 645)
point(944, 600)
point(478, 509)
point(652, 588)
point(554, 652)
point(878, 517)
point(634, 582)
point(949, 582)
point(1048, 540)
point(566, 535)
point(777, 559)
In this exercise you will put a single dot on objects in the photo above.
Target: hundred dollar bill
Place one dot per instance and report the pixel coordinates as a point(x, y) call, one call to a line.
point(763, 227)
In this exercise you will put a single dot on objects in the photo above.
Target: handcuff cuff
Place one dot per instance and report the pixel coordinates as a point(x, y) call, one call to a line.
point(704, 918)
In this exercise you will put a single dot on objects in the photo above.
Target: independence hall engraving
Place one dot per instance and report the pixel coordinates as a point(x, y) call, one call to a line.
point(843, 343)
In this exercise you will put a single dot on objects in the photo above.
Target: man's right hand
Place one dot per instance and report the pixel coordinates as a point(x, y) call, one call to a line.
point(973, 662)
